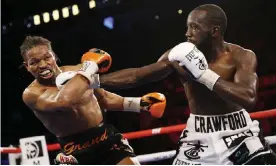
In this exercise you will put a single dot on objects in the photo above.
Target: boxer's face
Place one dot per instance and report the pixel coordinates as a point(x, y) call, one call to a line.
point(199, 31)
point(41, 63)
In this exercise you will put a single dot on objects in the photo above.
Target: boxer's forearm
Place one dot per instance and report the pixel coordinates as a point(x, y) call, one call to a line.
point(132, 77)
point(73, 90)
point(236, 93)
point(109, 101)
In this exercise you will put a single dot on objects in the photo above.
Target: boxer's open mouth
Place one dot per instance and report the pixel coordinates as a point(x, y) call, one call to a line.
point(46, 74)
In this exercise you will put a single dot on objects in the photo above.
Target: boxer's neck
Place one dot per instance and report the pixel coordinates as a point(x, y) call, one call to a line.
point(214, 49)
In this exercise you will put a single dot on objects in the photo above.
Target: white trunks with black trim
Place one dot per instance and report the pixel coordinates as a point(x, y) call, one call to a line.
point(220, 139)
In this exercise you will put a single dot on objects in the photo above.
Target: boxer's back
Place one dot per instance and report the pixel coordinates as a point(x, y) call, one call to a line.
point(83, 115)
point(205, 102)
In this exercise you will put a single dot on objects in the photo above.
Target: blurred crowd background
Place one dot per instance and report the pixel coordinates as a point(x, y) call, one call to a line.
point(135, 33)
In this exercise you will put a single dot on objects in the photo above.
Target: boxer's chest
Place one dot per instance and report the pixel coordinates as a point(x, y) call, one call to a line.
point(224, 66)
point(200, 97)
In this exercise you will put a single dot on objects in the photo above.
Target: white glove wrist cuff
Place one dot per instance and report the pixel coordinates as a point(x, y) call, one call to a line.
point(209, 78)
point(132, 104)
point(96, 84)
point(88, 70)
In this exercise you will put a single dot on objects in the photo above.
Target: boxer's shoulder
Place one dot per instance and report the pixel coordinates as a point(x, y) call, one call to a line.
point(239, 53)
point(34, 88)
point(234, 48)
point(31, 93)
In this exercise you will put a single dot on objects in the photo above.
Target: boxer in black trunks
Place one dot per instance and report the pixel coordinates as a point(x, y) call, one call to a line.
point(66, 100)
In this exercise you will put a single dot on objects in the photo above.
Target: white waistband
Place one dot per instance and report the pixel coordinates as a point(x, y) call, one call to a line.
point(214, 123)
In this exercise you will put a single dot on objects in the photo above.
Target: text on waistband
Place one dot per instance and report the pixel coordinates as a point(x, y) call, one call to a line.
point(218, 123)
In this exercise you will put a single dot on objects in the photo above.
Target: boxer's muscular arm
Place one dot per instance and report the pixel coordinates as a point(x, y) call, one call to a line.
point(244, 89)
point(108, 100)
point(132, 77)
point(53, 99)
point(73, 90)
point(42, 100)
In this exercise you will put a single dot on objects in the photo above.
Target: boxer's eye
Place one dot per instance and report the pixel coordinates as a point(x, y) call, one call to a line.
point(32, 63)
point(194, 27)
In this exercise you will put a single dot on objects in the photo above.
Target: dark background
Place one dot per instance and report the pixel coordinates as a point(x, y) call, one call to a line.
point(138, 39)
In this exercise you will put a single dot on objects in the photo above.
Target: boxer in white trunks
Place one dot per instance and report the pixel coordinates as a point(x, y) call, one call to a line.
point(220, 83)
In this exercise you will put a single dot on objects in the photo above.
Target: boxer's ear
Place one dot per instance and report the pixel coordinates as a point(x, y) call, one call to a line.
point(56, 58)
point(25, 65)
point(215, 31)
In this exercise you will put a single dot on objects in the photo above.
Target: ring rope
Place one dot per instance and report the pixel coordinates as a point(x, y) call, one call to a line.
point(169, 154)
point(149, 132)
point(156, 156)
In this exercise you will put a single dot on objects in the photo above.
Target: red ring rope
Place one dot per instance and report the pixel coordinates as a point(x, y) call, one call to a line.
point(150, 132)
point(263, 114)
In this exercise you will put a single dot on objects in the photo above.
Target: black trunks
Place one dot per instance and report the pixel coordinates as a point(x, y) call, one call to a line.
point(99, 145)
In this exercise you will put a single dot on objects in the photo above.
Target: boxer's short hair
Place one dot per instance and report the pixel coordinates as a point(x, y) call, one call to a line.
point(32, 41)
point(215, 15)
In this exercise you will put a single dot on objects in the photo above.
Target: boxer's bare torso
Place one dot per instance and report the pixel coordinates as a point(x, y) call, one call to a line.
point(201, 100)
point(81, 116)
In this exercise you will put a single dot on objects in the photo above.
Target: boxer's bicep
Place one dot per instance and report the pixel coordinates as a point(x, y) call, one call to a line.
point(247, 79)
point(49, 101)
point(108, 100)
point(242, 90)
point(246, 71)
point(38, 101)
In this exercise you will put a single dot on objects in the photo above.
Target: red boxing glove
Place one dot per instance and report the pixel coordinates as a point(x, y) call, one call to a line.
point(94, 61)
point(100, 57)
point(155, 103)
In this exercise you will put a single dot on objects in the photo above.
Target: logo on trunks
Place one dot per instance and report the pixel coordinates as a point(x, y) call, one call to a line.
point(71, 147)
point(192, 54)
point(180, 162)
point(34, 149)
point(192, 154)
point(236, 139)
point(218, 123)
